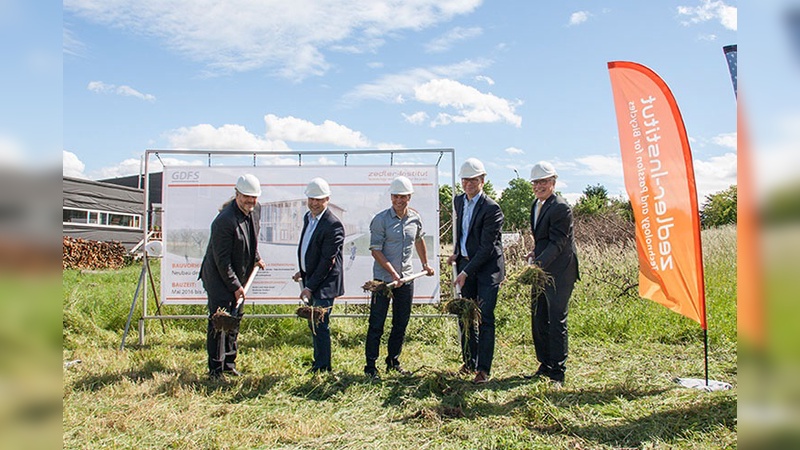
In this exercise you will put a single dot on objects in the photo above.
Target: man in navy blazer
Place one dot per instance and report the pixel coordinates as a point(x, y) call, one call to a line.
point(554, 251)
point(478, 255)
point(231, 256)
point(319, 256)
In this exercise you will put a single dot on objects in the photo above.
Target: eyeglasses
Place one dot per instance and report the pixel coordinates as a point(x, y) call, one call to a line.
point(541, 182)
point(472, 180)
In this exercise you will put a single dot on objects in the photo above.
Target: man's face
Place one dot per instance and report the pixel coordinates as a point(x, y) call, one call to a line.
point(400, 202)
point(472, 186)
point(317, 205)
point(247, 203)
point(544, 188)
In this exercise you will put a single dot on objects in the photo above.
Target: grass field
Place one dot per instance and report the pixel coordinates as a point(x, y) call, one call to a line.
point(619, 393)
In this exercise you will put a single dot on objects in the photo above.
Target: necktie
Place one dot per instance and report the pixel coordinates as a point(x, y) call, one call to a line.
point(539, 207)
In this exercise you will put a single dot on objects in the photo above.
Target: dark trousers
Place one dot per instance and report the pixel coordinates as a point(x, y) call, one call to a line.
point(213, 338)
point(477, 345)
point(549, 327)
point(401, 311)
point(321, 334)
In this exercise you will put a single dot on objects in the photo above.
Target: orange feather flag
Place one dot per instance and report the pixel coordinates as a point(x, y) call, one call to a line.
point(659, 179)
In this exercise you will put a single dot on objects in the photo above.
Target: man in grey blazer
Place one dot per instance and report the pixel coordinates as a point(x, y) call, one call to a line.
point(478, 255)
point(319, 255)
point(554, 251)
point(231, 256)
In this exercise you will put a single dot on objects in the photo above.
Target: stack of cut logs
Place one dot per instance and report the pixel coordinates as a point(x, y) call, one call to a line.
point(86, 254)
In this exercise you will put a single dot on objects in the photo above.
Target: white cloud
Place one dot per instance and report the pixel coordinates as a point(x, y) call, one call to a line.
point(578, 17)
point(710, 10)
point(714, 175)
point(226, 137)
point(72, 166)
point(72, 45)
point(488, 80)
point(446, 41)
point(707, 37)
point(289, 38)
point(472, 106)
point(299, 130)
point(725, 140)
point(601, 165)
point(126, 91)
point(514, 151)
point(393, 88)
point(11, 152)
point(416, 118)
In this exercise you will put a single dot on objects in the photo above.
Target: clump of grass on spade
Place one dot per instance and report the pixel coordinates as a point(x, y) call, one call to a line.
point(314, 315)
point(534, 276)
point(223, 321)
point(467, 311)
point(378, 287)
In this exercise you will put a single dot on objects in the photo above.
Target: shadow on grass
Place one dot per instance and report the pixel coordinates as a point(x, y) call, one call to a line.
point(456, 401)
point(324, 386)
point(668, 426)
point(245, 387)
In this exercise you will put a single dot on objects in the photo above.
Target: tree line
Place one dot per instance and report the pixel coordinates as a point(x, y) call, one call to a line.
point(593, 205)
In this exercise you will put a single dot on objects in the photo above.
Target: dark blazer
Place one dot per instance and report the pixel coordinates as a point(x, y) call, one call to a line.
point(554, 241)
point(232, 252)
point(484, 241)
point(324, 275)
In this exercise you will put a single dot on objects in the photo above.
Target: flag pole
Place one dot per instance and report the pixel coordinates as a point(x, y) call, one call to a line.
point(705, 342)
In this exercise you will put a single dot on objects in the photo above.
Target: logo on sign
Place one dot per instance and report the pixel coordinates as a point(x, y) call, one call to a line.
point(186, 176)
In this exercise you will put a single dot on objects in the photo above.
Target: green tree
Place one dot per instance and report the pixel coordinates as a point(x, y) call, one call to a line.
point(719, 209)
point(516, 202)
point(488, 189)
point(593, 201)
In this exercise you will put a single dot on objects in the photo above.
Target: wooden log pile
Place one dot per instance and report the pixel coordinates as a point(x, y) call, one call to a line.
point(87, 254)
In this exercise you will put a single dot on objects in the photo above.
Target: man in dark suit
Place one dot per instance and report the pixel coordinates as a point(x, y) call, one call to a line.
point(231, 256)
point(478, 255)
point(319, 255)
point(554, 251)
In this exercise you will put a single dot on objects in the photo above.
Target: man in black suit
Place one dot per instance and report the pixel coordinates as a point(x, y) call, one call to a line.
point(478, 255)
point(554, 251)
point(319, 256)
point(231, 256)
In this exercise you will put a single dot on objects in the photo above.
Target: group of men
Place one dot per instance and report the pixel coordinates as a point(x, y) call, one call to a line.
point(395, 232)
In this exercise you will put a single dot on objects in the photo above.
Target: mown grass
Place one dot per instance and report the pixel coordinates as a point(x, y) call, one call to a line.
point(624, 353)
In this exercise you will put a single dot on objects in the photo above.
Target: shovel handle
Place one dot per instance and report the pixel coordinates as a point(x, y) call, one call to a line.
point(456, 288)
point(407, 279)
point(247, 285)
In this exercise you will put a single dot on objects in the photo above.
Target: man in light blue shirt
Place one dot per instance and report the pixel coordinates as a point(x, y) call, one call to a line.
point(394, 232)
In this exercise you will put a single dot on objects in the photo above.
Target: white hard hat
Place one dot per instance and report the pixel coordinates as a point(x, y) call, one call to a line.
point(471, 168)
point(318, 188)
point(543, 169)
point(248, 185)
point(401, 186)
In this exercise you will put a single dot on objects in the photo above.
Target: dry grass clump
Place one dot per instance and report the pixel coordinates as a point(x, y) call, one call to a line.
point(467, 310)
point(535, 276)
point(379, 287)
point(222, 321)
point(314, 315)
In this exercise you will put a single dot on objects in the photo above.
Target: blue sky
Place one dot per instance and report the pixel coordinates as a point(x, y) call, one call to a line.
point(510, 83)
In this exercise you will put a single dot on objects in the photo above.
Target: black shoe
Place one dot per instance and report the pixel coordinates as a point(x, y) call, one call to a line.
point(315, 370)
point(397, 368)
point(215, 375)
point(539, 374)
point(372, 373)
point(466, 370)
